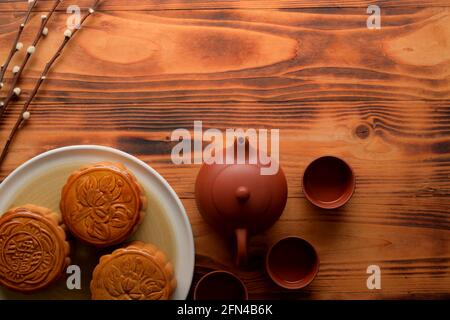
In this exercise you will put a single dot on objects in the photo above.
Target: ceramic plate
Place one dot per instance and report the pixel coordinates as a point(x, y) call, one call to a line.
point(40, 180)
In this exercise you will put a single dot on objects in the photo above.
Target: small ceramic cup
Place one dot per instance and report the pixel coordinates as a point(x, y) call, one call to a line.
point(220, 285)
point(292, 263)
point(328, 182)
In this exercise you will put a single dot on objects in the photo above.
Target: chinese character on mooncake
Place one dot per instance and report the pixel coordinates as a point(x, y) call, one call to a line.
point(33, 248)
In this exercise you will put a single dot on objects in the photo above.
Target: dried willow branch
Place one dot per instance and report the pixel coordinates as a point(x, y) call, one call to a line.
point(25, 114)
point(17, 45)
point(17, 70)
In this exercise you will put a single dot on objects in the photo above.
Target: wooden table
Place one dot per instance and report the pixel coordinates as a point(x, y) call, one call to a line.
point(378, 98)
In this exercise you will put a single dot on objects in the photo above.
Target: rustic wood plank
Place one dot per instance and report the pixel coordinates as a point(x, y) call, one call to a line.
point(417, 167)
point(404, 121)
point(230, 56)
point(415, 261)
point(139, 5)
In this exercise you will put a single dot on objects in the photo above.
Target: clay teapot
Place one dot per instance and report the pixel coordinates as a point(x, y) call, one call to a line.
point(239, 201)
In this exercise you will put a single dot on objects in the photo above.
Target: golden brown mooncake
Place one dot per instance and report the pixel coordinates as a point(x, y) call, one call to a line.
point(33, 248)
point(138, 271)
point(102, 204)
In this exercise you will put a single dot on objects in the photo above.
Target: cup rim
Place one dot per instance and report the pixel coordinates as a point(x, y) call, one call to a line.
point(342, 200)
point(300, 284)
point(228, 273)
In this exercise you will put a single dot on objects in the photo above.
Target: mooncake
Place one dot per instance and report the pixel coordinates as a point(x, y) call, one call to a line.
point(138, 271)
point(102, 204)
point(33, 248)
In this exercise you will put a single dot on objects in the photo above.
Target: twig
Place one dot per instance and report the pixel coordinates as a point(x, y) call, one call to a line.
point(16, 45)
point(25, 114)
point(17, 70)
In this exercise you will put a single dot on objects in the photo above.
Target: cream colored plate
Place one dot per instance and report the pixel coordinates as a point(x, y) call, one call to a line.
point(40, 180)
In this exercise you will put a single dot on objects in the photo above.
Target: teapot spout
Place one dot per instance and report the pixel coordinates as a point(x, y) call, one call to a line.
point(241, 247)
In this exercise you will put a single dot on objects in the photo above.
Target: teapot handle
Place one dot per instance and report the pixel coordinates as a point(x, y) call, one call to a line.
point(241, 243)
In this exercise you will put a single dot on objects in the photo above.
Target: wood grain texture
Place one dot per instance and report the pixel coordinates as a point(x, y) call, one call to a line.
point(234, 56)
point(140, 5)
point(379, 99)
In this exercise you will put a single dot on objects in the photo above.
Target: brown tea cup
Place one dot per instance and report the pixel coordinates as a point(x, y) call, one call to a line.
point(220, 285)
point(292, 263)
point(328, 182)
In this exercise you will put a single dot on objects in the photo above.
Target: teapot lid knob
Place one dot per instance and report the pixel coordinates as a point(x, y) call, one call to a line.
point(242, 193)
